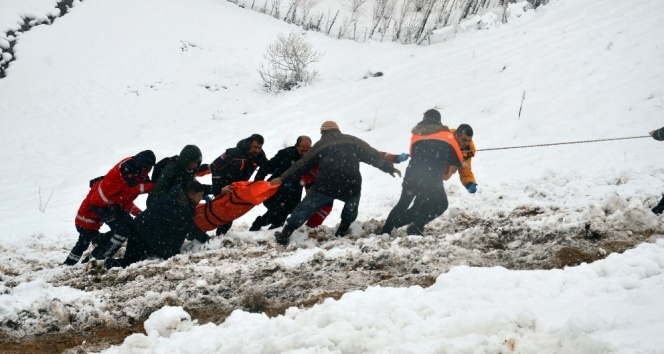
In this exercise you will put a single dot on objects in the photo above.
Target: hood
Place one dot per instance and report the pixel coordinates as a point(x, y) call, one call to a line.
point(427, 129)
point(190, 153)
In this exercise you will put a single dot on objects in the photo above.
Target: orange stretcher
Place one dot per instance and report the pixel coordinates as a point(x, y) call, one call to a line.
point(229, 207)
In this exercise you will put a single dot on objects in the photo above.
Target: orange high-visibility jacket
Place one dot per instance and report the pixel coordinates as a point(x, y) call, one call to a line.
point(231, 206)
point(465, 172)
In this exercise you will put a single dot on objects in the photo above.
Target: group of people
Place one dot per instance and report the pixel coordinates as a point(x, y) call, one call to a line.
point(327, 170)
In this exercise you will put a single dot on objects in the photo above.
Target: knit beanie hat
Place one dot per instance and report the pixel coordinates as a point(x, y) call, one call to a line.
point(144, 159)
point(190, 153)
point(329, 125)
point(431, 116)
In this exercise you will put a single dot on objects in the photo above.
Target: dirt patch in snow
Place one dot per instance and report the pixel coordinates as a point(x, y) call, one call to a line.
point(260, 276)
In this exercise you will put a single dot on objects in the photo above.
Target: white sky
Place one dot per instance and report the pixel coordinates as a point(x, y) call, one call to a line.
point(115, 77)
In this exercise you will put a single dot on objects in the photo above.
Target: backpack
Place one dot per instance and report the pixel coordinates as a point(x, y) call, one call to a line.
point(159, 166)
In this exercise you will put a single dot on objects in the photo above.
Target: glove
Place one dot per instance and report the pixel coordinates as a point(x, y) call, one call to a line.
point(401, 157)
point(207, 198)
point(471, 187)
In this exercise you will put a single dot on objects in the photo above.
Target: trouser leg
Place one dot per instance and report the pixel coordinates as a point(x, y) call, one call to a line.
point(319, 216)
point(312, 201)
point(136, 251)
point(120, 223)
point(84, 238)
point(399, 215)
point(428, 206)
point(350, 210)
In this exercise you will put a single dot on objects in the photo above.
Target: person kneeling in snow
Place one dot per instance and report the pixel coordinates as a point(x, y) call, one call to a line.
point(163, 227)
point(658, 135)
point(111, 201)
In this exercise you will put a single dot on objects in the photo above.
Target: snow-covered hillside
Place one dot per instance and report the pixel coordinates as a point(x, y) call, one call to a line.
point(112, 78)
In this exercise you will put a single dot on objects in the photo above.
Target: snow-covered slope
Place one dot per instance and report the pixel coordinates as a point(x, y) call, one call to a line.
point(112, 78)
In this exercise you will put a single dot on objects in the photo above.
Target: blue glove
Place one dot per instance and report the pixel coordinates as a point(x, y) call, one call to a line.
point(401, 157)
point(207, 198)
point(471, 187)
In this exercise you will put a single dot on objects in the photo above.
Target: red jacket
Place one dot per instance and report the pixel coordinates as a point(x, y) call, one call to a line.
point(112, 190)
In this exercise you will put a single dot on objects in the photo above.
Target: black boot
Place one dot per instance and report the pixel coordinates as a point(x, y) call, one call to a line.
point(258, 223)
point(415, 230)
point(223, 229)
point(283, 235)
point(342, 230)
point(659, 208)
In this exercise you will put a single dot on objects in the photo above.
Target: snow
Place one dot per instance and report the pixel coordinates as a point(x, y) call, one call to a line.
point(114, 77)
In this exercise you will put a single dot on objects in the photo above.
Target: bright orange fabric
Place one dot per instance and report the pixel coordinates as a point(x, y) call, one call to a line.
point(231, 206)
point(465, 172)
point(441, 135)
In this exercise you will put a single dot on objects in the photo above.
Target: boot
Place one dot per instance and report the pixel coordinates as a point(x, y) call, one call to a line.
point(415, 230)
point(112, 263)
point(342, 230)
point(258, 223)
point(659, 208)
point(283, 235)
point(223, 229)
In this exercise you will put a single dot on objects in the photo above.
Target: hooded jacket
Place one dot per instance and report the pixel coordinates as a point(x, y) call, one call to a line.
point(430, 156)
point(165, 224)
point(465, 171)
point(338, 157)
point(121, 185)
point(176, 173)
point(236, 164)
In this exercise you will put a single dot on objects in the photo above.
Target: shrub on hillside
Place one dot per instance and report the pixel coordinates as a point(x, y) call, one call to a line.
point(287, 64)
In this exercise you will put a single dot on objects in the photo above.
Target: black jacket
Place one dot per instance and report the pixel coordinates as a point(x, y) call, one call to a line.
point(236, 164)
point(165, 224)
point(338, 157)
point(658, 134)
point(429, 159)
point(278, 164)
point(287, 196)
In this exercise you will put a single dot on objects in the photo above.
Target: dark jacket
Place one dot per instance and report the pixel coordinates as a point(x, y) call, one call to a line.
point(278, 164)
point(658, 134)
point(165, 224)
point(338, 157)
point(236, 164)
point(176, 173)
point(286, 196)
point(429, 158)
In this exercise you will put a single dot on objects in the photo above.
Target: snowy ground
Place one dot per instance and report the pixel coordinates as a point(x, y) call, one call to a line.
point(112, 78)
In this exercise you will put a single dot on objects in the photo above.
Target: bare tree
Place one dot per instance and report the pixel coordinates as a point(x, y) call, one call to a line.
point(383, 10)
point(406, 7)
point(276, 4)
point(287, 63)
point(356, 4)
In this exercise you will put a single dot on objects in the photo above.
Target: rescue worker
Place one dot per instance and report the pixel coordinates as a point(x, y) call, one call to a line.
point(288, 196)
point(180, 171)
point(163, 227)
point(237, 164)
point(432, 148)
point(338, 157)
point(464, 138)
point(111, 201)
point(658, 135)
point(310, 177)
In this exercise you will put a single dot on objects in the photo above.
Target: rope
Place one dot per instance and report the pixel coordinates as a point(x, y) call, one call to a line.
point(565, 143)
